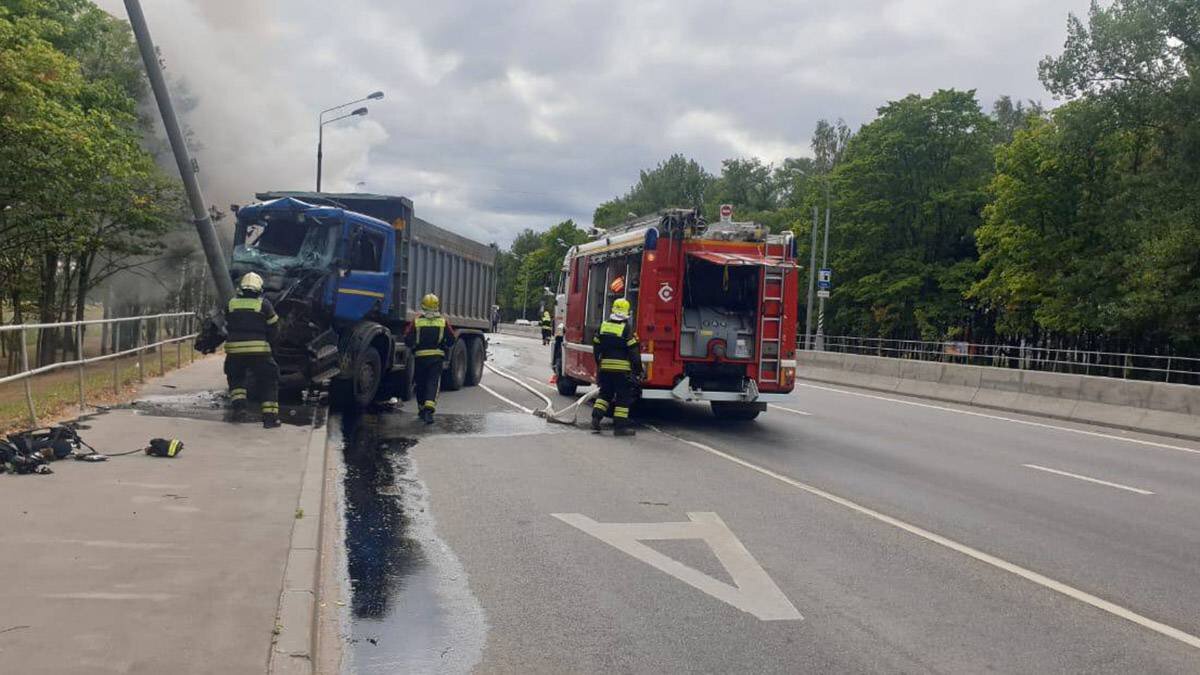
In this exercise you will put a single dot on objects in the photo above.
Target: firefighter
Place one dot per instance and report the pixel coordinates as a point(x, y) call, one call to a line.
point(547, 327)
point(618, 368)
point(251, 322)
point(430, 337)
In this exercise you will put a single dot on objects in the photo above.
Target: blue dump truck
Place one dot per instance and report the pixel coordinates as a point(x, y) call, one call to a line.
point(346, 273)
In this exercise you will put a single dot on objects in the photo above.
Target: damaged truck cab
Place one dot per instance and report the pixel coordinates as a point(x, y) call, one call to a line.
point(345, 273)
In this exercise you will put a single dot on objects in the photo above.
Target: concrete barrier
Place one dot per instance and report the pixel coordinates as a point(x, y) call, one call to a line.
point(525, 331)
point(1169, 409)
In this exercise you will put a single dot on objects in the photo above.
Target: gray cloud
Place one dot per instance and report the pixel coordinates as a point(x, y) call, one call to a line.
point(505, 115)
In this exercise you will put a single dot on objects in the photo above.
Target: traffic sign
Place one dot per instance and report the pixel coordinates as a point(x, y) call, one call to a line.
point(824, 281)
point(823, 293)
point(726, 212)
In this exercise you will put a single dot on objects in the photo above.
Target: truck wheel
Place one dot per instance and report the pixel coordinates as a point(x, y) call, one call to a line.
point(736, 412)
point(454, 376)
point(476, 355)
point(566, 386)
point(360, 388)
point(399, 383)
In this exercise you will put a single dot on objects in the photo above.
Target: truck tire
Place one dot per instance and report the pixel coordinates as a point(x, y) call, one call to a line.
point(736, 412)
point(566, 386)
point(454, 376)
point(476, 355)
point(399, 383)
point(359, 389)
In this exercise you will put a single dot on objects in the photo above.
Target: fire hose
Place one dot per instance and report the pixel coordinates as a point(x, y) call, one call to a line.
point(548, 412)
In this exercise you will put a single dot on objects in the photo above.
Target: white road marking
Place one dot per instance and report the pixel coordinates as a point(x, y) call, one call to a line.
point(1096, 434)
point(752, 591)
point(1090, 480)
point(987, 558)
point(153, 597)
point(791, 410)
point(502, 397)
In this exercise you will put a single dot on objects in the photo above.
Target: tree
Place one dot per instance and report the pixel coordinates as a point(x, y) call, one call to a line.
point(676, 182)
point(910, 192)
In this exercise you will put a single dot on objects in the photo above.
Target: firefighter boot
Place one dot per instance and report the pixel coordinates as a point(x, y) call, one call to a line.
point(596, 417)
point(239, 409)
point(624, 431)
point(270, 420)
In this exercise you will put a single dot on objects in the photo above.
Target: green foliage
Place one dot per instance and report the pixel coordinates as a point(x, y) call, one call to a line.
point(909, 196)
point(531, 265)
point(677, 182)
point(81, 198)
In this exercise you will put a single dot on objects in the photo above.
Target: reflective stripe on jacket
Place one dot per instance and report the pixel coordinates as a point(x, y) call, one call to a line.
point(250, 324)
point(616, 348)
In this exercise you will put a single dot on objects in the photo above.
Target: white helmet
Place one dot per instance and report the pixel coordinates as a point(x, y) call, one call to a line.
point(251, 282)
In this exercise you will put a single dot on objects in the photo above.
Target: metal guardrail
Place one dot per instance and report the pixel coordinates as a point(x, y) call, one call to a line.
point(1151, 367)
point(182, 324)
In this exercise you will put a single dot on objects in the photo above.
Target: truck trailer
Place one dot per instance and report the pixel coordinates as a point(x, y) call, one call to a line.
point(714, 307)
point(346, 273)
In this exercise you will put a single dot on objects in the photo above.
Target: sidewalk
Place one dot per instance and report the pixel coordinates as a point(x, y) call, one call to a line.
point(153, 565)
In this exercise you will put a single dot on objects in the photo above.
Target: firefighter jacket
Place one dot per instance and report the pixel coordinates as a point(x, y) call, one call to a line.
point(615, 347)
point(547, 322)
point(250, 323)
point(429, 336)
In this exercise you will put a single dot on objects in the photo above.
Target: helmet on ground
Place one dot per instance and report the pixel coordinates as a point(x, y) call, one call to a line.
point(430, 303)
point(620, 309)
point(251, 282)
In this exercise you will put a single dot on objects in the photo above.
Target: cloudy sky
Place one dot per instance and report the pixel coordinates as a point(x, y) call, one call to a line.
point(501, 115)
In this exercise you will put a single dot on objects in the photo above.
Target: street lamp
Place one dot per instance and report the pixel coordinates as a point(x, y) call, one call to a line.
point(321, 122)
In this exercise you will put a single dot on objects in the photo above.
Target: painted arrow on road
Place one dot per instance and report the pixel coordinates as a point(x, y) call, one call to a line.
point(752, 591)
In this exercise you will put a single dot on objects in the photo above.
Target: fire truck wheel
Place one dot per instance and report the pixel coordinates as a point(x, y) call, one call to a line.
point(735, 412)
point(566, 386)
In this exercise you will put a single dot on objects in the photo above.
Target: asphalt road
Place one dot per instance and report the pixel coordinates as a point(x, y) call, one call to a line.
point(852, 532)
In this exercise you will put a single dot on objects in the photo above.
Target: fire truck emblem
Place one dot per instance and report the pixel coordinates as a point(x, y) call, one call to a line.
point(665, 292)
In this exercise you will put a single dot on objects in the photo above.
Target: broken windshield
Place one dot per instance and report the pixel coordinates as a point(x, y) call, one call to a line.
point(285, 242)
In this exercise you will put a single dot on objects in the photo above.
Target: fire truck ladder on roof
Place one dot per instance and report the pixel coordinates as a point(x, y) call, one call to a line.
point(770, 329)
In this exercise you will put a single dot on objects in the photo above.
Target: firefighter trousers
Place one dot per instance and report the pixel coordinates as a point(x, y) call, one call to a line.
point(427, 379)
point(618, 393)
point(266, 380)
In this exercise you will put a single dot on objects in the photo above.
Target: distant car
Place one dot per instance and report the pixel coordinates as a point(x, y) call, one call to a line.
point(524, 322)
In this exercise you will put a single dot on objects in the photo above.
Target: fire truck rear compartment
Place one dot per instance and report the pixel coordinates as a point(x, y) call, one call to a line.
point(720, 312)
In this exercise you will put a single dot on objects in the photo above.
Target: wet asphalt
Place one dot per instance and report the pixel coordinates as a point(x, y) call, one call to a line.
point(459, 559)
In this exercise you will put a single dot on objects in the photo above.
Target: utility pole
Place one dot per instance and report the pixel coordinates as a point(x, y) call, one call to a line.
point(825, 263)
point(812, 275)
point(187, 167)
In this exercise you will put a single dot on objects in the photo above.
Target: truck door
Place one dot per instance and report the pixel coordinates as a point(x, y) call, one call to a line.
point(363, 283)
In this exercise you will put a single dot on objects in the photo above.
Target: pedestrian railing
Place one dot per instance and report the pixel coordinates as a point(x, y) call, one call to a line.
point(1152, 367)
point(128, 336)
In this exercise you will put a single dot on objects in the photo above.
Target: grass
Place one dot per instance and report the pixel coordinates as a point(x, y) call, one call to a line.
point(57, 393)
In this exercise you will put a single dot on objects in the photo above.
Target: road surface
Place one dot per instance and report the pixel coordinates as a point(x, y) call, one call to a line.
point(843, 531)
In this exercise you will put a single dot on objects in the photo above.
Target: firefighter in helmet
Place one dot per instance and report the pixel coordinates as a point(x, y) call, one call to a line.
point(251, 322)
point(547, 327)
point(618, 367)
point(430, 337)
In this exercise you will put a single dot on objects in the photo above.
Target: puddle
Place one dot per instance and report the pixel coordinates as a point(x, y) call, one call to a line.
point(214, 406)
point(410, 608)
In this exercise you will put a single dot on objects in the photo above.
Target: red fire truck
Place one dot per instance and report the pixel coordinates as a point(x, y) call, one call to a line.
point(713, 305)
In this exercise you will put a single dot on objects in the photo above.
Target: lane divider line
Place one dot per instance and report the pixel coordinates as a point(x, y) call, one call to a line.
point(1097, 481)
point(504, 398)
point(1084, 432)
point(791, 410)
point(986, 558)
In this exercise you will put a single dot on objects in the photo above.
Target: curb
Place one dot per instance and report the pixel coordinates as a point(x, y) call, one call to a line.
point(292, 651)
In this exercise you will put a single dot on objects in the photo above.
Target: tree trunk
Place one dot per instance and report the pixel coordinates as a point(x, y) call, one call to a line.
point(81, 292)
point(46, 313)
